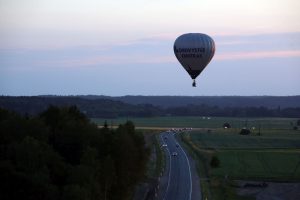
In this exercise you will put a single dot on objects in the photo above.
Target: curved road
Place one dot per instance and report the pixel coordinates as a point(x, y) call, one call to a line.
point(180, 172)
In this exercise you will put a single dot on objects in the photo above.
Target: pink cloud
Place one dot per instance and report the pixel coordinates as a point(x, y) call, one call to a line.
point(107, 59)
point(143, 59)
point(257, 55)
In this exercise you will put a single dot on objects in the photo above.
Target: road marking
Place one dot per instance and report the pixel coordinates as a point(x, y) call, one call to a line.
point(169, 175)
point(189, 168)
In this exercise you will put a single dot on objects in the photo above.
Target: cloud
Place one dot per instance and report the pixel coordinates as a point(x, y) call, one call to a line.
point(151, 50)
point(94, 61)
point(257, 55)
point(142, 59)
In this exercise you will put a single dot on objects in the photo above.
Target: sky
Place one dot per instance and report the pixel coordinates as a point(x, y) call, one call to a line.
point(125, 47)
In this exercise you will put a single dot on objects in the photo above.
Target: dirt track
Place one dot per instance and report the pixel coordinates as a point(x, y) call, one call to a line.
point(278, 191)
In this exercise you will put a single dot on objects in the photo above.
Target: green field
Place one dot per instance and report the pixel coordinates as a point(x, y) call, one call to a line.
point(271, 157)
point(275, 165)
point(204, 122)
point(230, 139)
point(275, 155)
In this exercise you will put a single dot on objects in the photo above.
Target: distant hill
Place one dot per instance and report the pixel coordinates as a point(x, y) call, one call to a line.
point(221, 101)
point(99, 107)
point(153, 106)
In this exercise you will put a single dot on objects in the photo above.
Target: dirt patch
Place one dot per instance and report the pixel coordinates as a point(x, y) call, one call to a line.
point(269, 190)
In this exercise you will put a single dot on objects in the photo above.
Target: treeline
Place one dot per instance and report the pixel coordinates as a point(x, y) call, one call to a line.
point(220, 101)
point(60, 155)
point(106, 108)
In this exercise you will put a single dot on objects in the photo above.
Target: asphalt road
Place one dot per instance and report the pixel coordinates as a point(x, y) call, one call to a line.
point(180, 173)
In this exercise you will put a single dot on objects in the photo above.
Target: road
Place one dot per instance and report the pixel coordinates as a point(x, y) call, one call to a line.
point(182, 182)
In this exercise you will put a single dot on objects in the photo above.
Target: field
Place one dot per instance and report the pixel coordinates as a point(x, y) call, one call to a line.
point(259, 165)
point(220, 139)
point(204, 122)
point(271, 151)
point(273, 156)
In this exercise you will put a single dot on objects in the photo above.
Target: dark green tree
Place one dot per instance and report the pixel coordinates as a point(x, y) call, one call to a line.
point(214, 162)
point(60, 154)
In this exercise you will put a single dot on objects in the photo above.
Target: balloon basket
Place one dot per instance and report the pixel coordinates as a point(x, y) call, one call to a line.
point(194, 83)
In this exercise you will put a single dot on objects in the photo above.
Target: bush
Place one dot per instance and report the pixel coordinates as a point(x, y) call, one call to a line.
point(245, 131)
point(226, 125)
point(215, 162)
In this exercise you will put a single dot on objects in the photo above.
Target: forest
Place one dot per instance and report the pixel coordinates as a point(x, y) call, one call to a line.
point(96, 107)
point(59, 154)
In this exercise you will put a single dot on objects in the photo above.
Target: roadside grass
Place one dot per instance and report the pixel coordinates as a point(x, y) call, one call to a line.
point(160, 158)
point(155, 163)
point(151, 165)
point(200, 159)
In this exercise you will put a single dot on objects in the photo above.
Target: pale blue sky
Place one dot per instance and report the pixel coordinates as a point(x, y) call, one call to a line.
point(124, 47)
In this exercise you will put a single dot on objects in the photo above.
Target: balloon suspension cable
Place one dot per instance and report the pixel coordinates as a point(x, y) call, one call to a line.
point(194, 83)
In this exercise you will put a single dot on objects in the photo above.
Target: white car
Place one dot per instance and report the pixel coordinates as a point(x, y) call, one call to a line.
point(164, 145)
point(174, 154)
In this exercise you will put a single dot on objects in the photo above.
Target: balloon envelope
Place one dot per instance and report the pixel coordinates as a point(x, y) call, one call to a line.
point(194, 51)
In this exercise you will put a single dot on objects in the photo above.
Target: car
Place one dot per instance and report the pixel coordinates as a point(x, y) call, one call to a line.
point(164, 145)
point(177, 145)
point(174, 154)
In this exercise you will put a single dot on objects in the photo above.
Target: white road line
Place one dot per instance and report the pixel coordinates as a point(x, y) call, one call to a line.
point(169, 175)
point(189, 170)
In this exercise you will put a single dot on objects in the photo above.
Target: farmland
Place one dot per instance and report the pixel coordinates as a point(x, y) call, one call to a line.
point(204, 122)
point(230, 139)
point(245, 157)
point(271, 152)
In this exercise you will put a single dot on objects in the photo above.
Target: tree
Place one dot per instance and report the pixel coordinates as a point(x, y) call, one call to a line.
point(60, 154)
point(215, 162)
point(245, 131)
point(105, 125)
point(109, 173)
point(226, 125)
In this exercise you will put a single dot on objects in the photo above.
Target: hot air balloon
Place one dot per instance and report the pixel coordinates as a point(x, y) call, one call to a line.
point(194, 51)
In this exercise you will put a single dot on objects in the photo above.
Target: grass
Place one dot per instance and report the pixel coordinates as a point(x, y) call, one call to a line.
point(155, 163)
point(204, 122)
point(220, 139)
point(201, 166)
point(259, 165)
point(274, 156)
point(243, 158)
point(159, 157)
